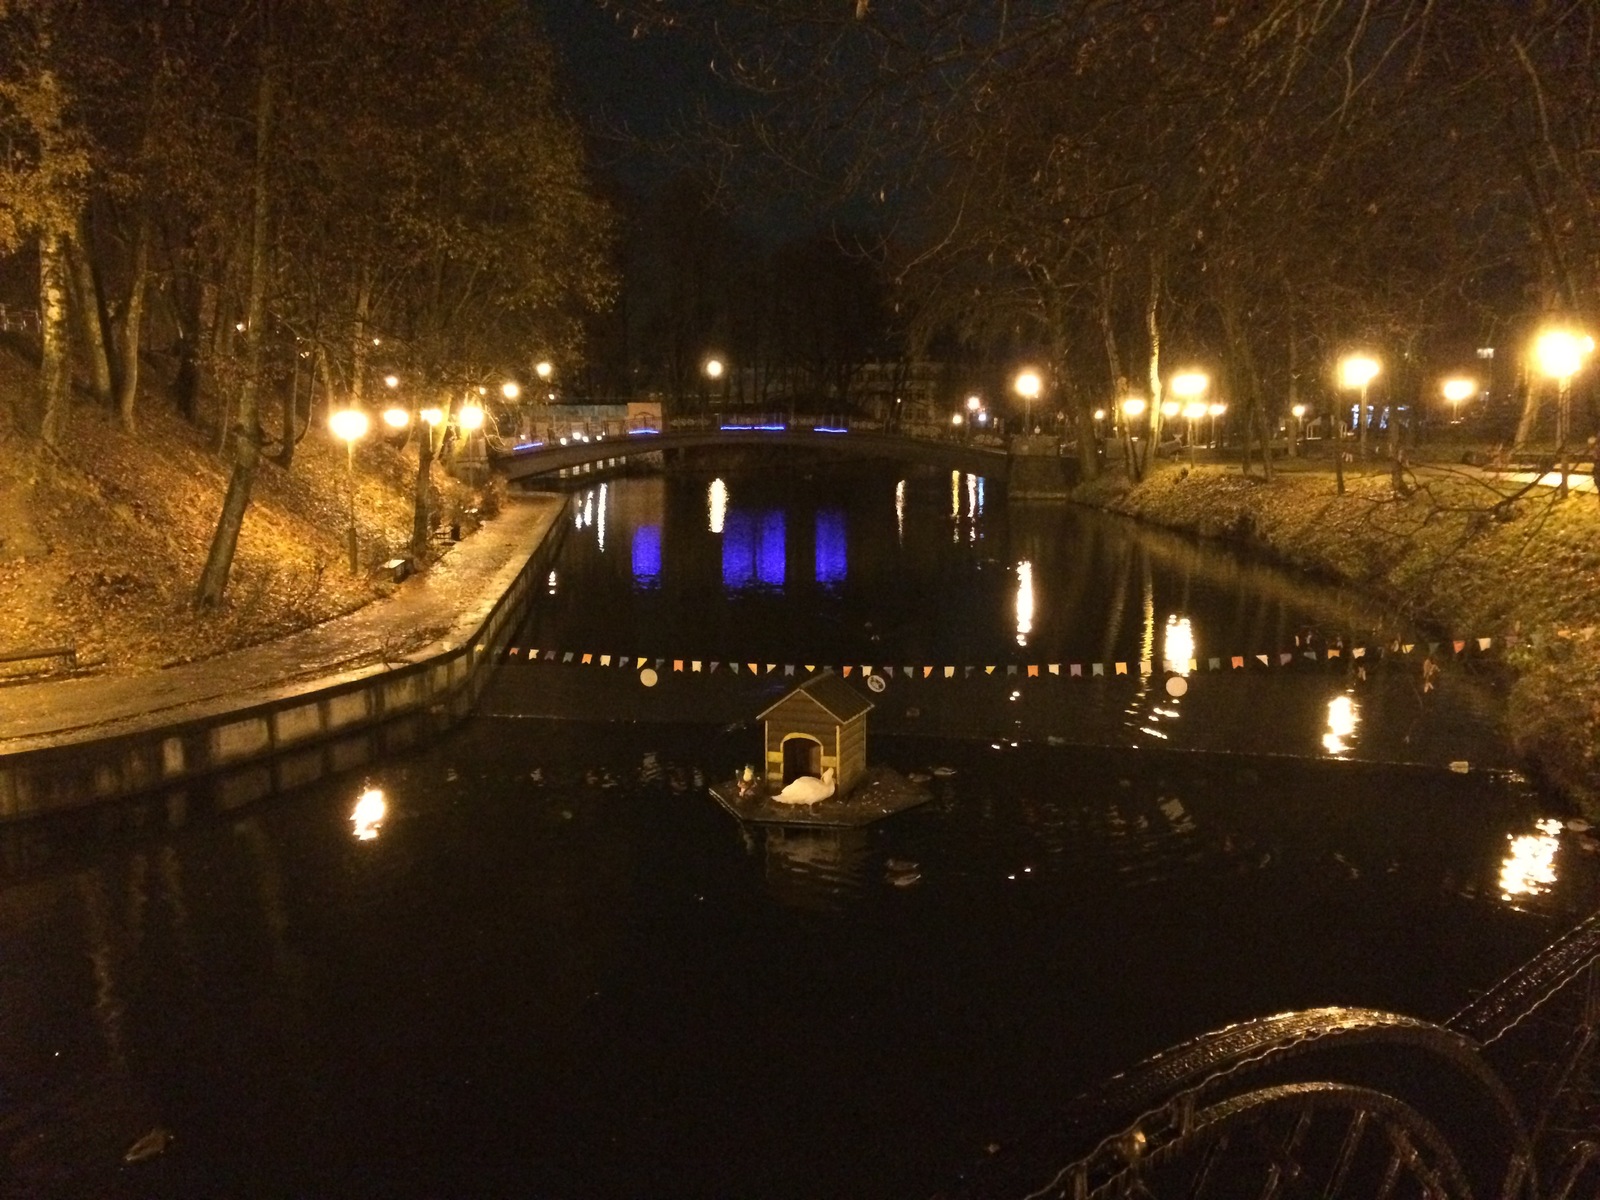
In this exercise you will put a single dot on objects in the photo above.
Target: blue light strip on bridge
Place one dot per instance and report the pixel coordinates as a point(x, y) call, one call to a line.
point(754, 428)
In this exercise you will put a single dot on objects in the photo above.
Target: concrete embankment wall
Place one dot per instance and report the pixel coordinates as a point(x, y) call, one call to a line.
point(232, 754)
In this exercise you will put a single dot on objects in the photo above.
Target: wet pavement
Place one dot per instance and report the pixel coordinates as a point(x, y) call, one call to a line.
point(427, 615)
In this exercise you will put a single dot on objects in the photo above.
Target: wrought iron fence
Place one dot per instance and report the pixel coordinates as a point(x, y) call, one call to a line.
point(1502, 1101)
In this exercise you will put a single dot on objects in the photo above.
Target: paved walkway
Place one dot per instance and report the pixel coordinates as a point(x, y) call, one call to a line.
point(425, 616)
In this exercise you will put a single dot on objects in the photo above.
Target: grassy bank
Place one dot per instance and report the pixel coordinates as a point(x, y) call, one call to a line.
point(102, 542)
point(1448, 554)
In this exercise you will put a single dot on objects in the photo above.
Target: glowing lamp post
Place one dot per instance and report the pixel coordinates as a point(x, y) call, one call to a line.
point(1455, 392)
point(1215, 410)
point(1132, 408)
point(470, 418)
point(510, 390)
point(1355, 371)
point(396, 418)
point(1298, 412)
point(1358, 371)
point(544, 370)
point(1028, 385)
point(350, 424)
point(1560, 355)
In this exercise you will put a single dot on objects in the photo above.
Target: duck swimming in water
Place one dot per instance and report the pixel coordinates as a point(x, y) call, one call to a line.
point(808, 789)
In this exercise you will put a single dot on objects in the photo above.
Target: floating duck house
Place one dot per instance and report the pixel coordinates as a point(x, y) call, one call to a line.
point(821, 724)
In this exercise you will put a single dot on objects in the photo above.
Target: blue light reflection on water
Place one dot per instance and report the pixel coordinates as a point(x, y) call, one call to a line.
point(647, 557)
point(753, 549)
point(833, 547)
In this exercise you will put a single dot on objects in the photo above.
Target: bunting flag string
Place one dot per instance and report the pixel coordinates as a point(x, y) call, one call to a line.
point(1352, 658)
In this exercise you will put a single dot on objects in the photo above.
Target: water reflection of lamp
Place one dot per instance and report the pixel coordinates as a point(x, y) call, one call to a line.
point(900, 512)
point(1529, 868)
point(1343, 717)
point(717, 504)
point(368, 815)
point(1178, 646)
point(1024, 601)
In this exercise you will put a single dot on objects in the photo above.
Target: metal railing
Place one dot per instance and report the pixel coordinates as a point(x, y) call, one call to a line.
point(1500, 1101)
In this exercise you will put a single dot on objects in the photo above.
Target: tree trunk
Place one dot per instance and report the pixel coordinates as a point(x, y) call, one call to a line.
point(361, 347)
point(247, 430)
point(132, 323)
point(422, 492)
point(1152, 316)
point(91, 316)
point(55, 366)
point(186, 381)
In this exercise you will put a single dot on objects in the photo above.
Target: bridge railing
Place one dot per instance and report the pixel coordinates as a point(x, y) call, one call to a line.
point(1348, 1102)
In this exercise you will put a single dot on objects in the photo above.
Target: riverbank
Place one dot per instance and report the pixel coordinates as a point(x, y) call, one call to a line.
point(1451, 553)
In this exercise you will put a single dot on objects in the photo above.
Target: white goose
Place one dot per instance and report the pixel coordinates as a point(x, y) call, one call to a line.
point(808, 789)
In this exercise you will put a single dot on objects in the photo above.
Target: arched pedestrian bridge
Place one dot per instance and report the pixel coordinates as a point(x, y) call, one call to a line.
point(861, 439)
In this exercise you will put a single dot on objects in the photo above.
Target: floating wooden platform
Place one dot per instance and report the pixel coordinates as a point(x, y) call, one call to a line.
point(880, 793)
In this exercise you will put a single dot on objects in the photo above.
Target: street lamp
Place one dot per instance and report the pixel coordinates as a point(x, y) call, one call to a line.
point(1132, 408)
point(1355, 371)
point(1028, 385)
point(469, 417)
point(1358, 371)
point(510, 390)
point(1560, 354)
point(1298, 412)
point(1215, 410)
point(350, 424)
point(1457, 390)
point(1192, 412)
point(543, 370)
point(396, 418)
point(392, 381)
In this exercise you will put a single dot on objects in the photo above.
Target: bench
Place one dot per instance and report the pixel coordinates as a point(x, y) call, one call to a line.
point(397, 569)
point(70, 653)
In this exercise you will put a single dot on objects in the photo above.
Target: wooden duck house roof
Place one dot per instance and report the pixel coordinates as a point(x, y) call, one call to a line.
point(836, 697)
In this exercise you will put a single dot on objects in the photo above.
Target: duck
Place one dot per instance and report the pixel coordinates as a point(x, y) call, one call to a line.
point(808, 789)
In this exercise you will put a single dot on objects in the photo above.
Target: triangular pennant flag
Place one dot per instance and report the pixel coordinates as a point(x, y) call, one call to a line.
point(677, 664)
point(927, 671)
point(515, 650)
point(567, 657)
point(532, 654)
point(605, 660)
point(1237, 661)
point(1194, 664)
point(1075, 669)
point(1284, 659)
point(754, 668)
point(950, 672)
point(734, 667)
point(587, 659)
point(810, 669)
point(713, 668)
point(1011, 668)
point(1216, 664)
point(661, 662)
point(1334, 652)
point(788, 668)
point(847, 671)
point(1098, 668)
point(1033, 672)
point(771, 667)
point(622, 662)
point(1460, 646)
point(1311, 654)
point(1358, 652)
point(1055, 668)
point(889, 671)
point(1263, 659)
point(549, 656)
point(1122, 668)
point(1483, 643)
point(1408, 648)
point(988, 670)
point(966, 672)
point(1144, 667)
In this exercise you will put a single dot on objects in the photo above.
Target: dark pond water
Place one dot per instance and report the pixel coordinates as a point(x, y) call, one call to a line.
point(553, 966)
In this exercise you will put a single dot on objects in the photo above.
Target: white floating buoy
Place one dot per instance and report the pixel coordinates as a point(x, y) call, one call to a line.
point(1177, 685)
point(648, 677)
